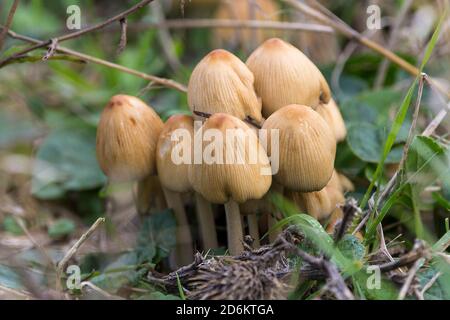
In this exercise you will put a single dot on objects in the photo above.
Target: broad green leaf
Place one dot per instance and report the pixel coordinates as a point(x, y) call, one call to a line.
point(61, 228)
point(351, 247)
point(442, 243)
point(66, 161)
point(397, 124)
point(157, 237)
point(118, 274)
point(10, 225)
point(366, 142)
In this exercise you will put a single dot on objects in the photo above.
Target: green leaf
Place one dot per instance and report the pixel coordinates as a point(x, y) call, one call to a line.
point(371, 106)
point(443, 202)
point(442, 243)
point(119, 273)
point(351, 247)
point(366, 142)
point(398, 121)
point(61, 227)
point(10, 225)
point(440, 290)
point(66, 161)
point(157, 237)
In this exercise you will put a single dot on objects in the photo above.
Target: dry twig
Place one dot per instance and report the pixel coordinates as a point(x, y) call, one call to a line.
point(162, 81)
point(9, 21)
point(79, 33)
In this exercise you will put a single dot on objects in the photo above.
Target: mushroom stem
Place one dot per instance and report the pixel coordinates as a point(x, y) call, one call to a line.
point(184, 249)
point(148, 194)
point(234, 228)
point(205, 217)
point(253, 229)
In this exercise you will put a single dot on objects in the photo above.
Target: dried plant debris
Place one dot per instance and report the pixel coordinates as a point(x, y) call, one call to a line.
point(253, 275)
point(266, 273)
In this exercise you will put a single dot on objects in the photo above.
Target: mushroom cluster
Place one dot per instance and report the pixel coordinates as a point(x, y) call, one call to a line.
point(269, 124)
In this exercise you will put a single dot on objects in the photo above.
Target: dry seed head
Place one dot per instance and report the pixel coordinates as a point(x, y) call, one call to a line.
point(307, 148)
point(174, 176)
point(218, 181)
point(222, 83)
point(330, 112)
point(284, 75)
point(126, 139)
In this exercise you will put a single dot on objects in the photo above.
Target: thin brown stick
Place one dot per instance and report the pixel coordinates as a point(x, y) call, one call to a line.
point(81, 32)
point(162, 81)
point(233, 24)
point(9, 21)
point(414, 121)
point(77, 245)
point(123, 35)
point(409, 279)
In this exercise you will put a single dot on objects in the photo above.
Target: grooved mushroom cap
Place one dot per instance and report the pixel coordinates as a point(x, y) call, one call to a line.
point(319, 204)
point(241, 10)
point(222, 83)
point(126, 139)
point(284, 75)
point(330, 112)
point(239, 175)
point(173, 173)
point(306, 147)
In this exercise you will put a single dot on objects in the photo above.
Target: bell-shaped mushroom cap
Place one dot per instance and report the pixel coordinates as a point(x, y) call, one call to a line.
point(222, 83)
point(319, 204)
point(284, 75)
point(172, 163)
point(126, 139)
point(340, 182)
point(233, 166)
point(330, 112)
point(306, 148)
point(242, 10)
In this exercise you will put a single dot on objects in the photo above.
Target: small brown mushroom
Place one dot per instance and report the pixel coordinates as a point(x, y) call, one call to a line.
point(306, 147)
point(228, 173)
point(126, 139)
point(284, 75)
point(173, 175)
point(222, 83)
point(331, 114)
